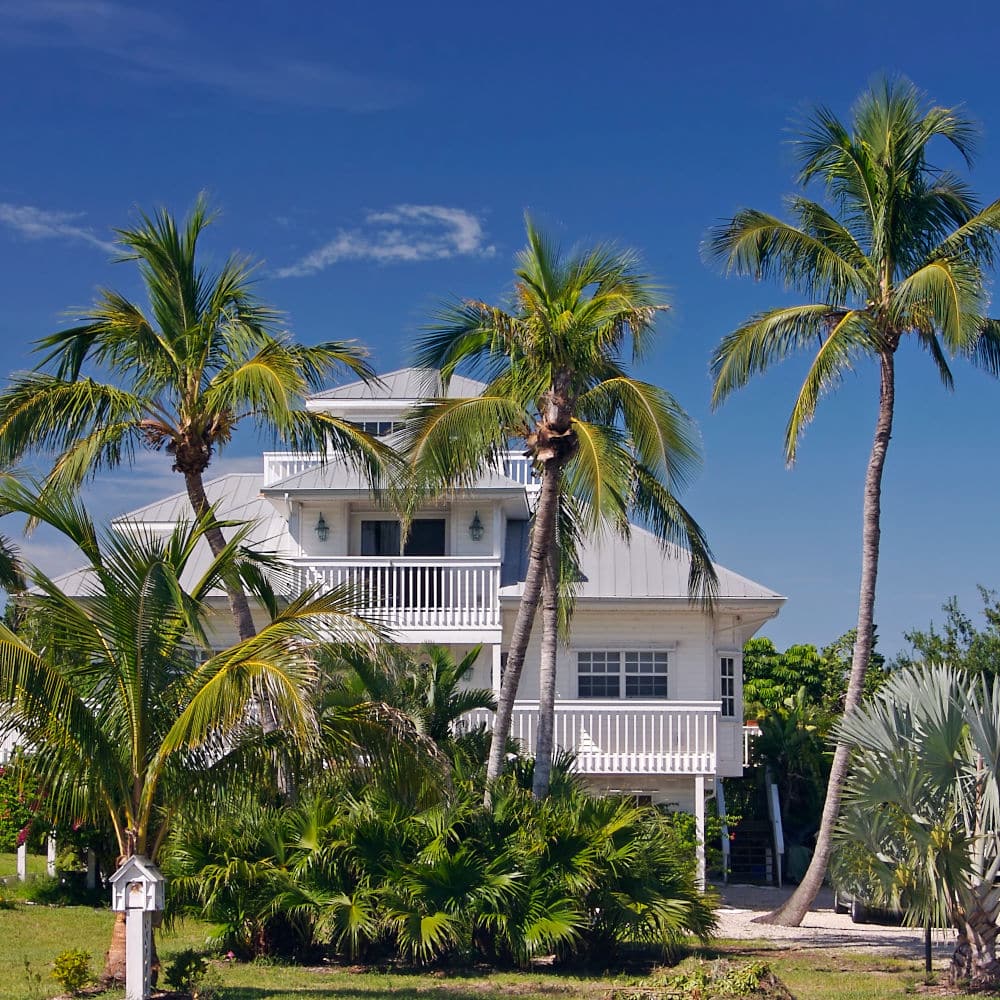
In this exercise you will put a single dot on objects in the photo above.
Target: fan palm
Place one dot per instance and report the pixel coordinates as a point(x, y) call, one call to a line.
point(896, 253)
point(557, 382)
point(923, 798)
point(181, 378)
point(123, 720)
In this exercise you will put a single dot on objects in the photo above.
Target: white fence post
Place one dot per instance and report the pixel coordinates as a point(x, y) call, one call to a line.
point(50, 855)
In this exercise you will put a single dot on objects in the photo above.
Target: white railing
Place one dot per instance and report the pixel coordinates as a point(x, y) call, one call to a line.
point(624, 737)
point(280, 465)
point(413, 593)
point(750, 733)
point(521, 470)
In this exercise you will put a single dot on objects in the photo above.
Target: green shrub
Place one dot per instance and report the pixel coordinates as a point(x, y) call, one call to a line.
point(71, 969)
point(69, 889)
point(186, 970)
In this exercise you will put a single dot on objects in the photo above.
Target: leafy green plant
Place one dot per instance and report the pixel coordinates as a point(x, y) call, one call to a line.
point(71, 969)
point(185, 970)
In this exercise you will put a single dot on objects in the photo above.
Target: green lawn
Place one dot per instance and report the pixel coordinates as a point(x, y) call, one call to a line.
point(37, 934)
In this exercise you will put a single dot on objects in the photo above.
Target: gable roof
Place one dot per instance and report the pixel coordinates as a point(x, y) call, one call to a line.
point(403, 384)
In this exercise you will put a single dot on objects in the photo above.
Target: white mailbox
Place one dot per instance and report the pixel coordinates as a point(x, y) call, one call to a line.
point(137, 885)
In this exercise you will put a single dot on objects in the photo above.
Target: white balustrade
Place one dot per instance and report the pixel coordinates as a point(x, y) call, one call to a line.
point(521, 469)
point(413, 593)
point(280, 465)
point(623, 737)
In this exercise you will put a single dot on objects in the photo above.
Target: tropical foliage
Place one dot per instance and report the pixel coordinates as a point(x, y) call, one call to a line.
point(603, 443)
point(355, 872)
point(923, 798)
point(127, 711)
point(958, 641)
point(896, 251)
point(206, 357)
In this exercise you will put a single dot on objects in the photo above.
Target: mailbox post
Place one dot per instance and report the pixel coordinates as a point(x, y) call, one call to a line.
point(137, 891)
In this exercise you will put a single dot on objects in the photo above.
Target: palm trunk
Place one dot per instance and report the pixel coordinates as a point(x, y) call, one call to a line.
point(238, 603)
point(795, 908)
point(974, 960)
point(114, 960)
point(541, 533)
point(547, 674)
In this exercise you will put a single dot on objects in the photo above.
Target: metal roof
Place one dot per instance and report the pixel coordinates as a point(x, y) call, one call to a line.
point(641, 569)
point(404, 384)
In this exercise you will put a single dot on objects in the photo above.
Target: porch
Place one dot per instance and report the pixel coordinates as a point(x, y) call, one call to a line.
point(449, 592)
point(614, 737)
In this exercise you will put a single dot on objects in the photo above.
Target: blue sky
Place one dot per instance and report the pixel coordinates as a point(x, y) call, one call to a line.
point(380, 157)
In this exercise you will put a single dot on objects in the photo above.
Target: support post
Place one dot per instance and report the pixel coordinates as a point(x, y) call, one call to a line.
point(22, 863)
point(720, 802)
point(699, 825)
point(50, 855)
point(138, 948)
point(91, 868)
point(495, 667)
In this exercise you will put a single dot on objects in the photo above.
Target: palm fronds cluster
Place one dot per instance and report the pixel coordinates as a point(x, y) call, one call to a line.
point(357, 872)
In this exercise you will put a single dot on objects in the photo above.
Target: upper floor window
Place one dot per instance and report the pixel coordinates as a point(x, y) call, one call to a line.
point(600, 672)
point(378, 428)
point(727, 687)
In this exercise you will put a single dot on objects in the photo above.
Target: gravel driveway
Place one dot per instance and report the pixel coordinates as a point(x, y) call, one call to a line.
point(822, 928)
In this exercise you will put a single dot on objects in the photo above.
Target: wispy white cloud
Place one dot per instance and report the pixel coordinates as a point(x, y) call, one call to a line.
point(150, 46)
point(402, 234)
point(41, 224)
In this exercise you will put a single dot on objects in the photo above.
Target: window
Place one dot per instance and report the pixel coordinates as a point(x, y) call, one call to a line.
point(377, 428)
point(380, 538)
point(599, 673)
point(645, 674)
point(727, 689)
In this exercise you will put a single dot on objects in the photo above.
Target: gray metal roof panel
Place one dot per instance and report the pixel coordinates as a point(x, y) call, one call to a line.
point(403, 384)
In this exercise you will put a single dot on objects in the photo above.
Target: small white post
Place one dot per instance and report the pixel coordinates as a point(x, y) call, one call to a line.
point(22, 863)
point(699, 826)
point(138, 944)
point(50, 855)
point(91, 868)
point(495, 678)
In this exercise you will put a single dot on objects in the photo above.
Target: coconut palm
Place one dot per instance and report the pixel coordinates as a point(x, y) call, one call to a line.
point(923, 798)
point(181, 377)
point(557, 382)
point(123, 721)
point(896, 252)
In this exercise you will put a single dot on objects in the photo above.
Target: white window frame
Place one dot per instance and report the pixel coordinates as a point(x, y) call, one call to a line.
point(736, 656)
point(623, 652)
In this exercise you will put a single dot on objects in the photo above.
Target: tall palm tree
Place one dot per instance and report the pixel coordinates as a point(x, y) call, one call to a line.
point(124, 723)
point(897, 251)
point(923, 801)
point(181, 377)
point(557, 381)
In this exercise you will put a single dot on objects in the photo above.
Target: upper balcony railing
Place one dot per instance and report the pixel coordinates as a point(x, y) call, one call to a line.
point(280, 465)
point(410, 593)
point(624, 737)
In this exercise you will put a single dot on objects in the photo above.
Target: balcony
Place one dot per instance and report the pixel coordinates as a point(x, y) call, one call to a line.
point(280, 465)
point(624, 737)
point(408, 593)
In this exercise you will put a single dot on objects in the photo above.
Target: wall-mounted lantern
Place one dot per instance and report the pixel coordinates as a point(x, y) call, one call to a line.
point(322, 529)
point(476, 528)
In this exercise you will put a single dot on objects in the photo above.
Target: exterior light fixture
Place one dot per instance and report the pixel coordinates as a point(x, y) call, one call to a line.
point(476, 528)
point(322, 529)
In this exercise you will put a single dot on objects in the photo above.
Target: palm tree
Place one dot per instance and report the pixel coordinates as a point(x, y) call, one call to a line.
point(923, 800)
point(557, 382)
point(897, 252)
point(124, 723)
point(181, 378)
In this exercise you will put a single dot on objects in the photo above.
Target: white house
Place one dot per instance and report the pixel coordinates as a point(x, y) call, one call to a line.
point(650, 685)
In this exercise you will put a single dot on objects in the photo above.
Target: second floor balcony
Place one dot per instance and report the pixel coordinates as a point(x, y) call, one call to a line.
point(410, 593)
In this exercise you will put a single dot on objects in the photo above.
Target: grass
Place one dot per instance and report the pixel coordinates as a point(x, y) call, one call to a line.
point(37, 934)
